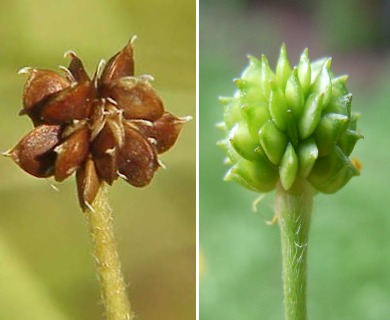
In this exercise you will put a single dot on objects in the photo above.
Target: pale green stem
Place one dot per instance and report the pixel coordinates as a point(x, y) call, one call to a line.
point(113, 286)
point(293, 209)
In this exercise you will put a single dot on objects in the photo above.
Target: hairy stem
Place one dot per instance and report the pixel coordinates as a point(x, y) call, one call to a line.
point(293, 209)
point(113, 287)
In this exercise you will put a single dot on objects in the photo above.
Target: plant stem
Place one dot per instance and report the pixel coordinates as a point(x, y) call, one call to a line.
point(293, 209)
point(113, 287)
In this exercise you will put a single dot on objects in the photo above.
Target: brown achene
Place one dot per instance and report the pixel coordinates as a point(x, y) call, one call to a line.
point(113, 125)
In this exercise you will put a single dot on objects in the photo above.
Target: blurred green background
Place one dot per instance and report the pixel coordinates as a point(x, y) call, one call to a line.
point(349, 250)
point(46, 269)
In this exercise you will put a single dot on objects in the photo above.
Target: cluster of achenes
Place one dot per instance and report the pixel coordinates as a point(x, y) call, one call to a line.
point(109, 126)
point(294, 123)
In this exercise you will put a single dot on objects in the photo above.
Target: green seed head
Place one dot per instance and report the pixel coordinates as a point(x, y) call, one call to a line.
point(294, 122)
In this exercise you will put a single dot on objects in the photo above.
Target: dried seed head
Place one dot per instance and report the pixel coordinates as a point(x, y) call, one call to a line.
point(111, 126)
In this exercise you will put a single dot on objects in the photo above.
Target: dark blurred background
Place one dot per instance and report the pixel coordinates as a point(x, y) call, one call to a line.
point(46, 268)
point(349, 258)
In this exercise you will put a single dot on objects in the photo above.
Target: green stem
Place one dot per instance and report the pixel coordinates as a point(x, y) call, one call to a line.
point(293, 209)
point(113, 286)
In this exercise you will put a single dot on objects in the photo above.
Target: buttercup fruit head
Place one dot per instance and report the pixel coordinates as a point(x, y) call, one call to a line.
point(105, 127)
point(294, 122)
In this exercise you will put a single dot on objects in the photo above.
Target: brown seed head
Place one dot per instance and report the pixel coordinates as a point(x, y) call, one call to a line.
point(111, 126)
